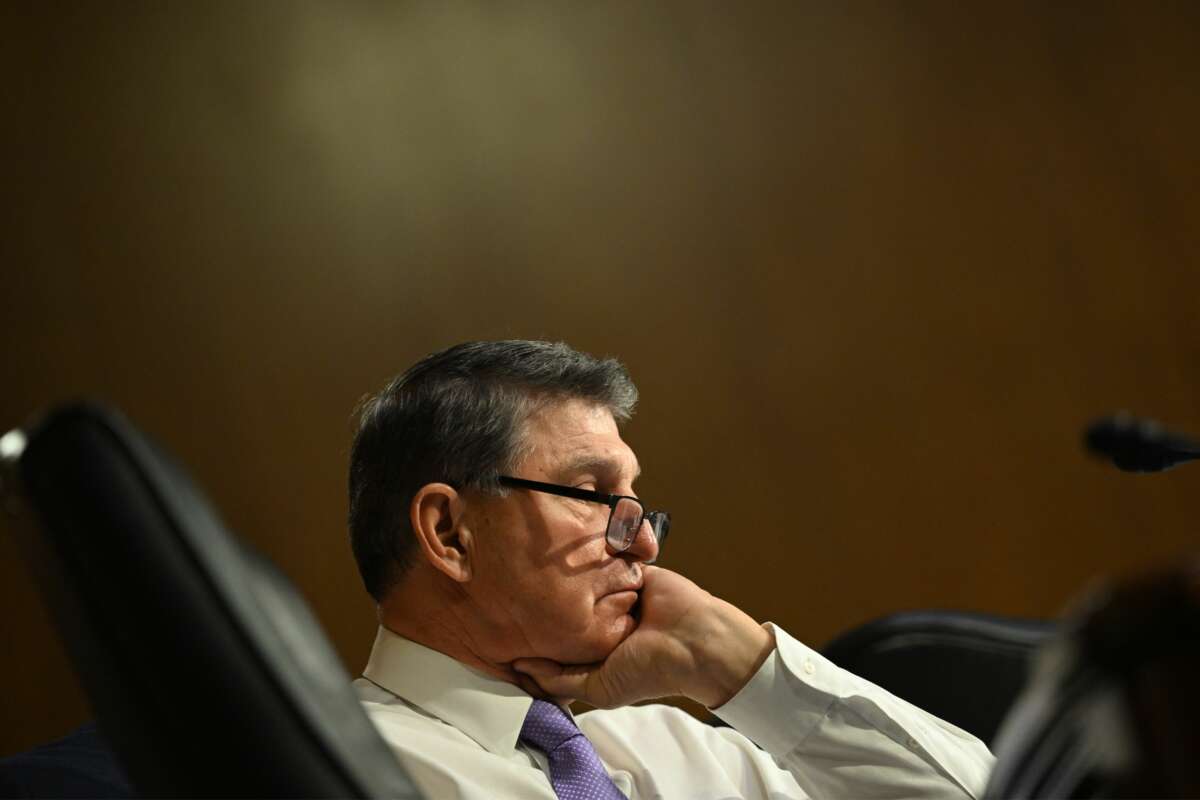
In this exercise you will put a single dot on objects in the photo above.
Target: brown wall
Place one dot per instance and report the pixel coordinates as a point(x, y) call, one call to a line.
point(872, 265)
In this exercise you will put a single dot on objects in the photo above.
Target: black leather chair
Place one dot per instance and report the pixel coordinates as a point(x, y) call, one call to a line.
point(965, 668)
point(208, 674)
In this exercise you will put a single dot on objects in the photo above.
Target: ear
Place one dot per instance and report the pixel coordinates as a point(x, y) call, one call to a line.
point(436, 515)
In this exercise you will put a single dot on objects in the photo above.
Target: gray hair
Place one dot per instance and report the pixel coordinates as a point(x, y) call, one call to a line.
point(458, 417)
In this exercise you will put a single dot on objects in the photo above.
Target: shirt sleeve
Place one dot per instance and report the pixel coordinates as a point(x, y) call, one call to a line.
point(842, 736)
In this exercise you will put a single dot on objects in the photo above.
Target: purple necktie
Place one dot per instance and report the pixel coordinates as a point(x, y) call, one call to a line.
point(575, 770)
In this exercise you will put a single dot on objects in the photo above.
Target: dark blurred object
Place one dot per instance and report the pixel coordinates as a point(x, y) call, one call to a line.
point(78, 765)
point(1138, 445)
point(207, 671)
point(965, 668)
point(1114, 706)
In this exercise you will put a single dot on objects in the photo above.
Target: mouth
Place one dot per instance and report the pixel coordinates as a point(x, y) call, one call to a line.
point(624, 600)
point(634, 588)
point(628, 594)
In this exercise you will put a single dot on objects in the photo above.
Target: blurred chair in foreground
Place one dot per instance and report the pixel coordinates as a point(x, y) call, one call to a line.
point(1113, 709)
point(208, 674)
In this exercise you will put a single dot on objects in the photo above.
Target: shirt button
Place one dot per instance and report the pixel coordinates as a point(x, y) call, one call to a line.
point(912, 743)
point(809, 666)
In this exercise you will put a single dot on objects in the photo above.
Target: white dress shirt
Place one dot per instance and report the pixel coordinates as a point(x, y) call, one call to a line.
point(823, 733)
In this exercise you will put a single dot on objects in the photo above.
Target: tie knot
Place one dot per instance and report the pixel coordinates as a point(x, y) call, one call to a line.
point(547, 726)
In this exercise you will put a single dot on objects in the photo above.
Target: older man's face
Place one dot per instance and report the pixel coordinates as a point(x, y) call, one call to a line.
point(544, 578)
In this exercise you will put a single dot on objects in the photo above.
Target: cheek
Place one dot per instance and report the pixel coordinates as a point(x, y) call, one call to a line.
point(588, 553)
point(560, 604)
point(549, 577)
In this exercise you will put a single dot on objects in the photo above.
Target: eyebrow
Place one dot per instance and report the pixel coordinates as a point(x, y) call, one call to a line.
point(602, 465)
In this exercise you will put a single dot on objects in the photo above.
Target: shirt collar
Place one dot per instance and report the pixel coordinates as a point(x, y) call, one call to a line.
point(487, 709)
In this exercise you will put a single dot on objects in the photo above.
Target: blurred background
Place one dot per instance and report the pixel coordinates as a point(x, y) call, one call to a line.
point(872, 265)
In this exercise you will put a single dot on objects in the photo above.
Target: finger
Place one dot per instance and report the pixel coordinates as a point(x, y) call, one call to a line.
point(531, 688)
point(652, 574)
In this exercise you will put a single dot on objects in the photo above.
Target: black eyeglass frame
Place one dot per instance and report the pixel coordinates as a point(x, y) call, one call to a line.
point(609, 500)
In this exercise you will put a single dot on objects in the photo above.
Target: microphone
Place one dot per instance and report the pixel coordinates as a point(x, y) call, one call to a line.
point(1138, 445)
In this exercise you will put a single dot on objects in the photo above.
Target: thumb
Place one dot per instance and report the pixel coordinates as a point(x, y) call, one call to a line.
point(557, 680)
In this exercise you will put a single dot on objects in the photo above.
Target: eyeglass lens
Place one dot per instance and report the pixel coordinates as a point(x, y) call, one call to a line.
point(626, 520)
point(623, 524)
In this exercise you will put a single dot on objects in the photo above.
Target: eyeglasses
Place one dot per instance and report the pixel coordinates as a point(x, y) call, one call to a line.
point(624, 517)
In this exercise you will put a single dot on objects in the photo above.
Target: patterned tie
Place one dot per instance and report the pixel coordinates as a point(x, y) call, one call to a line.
point(575, 770)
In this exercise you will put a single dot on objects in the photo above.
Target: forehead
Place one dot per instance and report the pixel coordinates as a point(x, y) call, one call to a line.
point(573, 436)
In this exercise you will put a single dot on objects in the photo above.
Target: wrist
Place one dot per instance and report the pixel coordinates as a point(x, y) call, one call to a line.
point(732, 651)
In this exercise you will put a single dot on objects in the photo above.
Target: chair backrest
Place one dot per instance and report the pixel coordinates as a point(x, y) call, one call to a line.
point(965, 668)
point(208, 673)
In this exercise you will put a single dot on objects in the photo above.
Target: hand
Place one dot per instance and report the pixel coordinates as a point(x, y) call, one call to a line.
point(687, 643)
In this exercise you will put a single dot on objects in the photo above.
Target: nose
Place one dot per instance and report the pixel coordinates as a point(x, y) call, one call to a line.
point(645, 545)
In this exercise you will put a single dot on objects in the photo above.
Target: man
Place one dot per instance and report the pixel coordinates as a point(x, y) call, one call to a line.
point(493, 518)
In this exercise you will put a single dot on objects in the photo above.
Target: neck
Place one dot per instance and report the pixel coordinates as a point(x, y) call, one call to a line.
point(431, 610)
